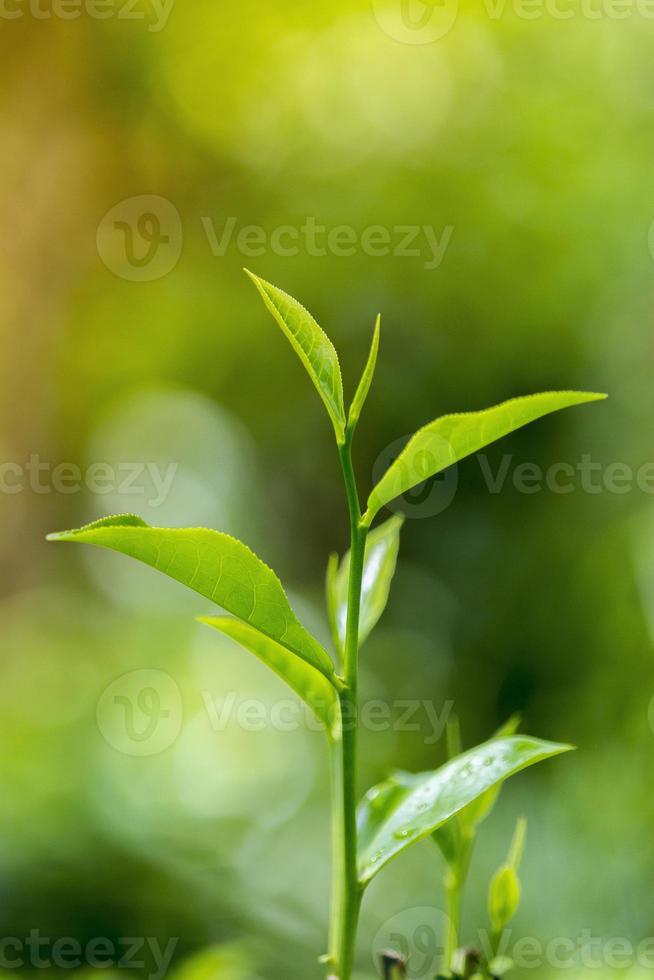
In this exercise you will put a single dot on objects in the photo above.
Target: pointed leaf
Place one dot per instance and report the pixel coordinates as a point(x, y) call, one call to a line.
point(518, 843)
point(477, 811)
point(311, 344)
point(311, 686)
point(452, 437)
point(455, 837)
point(331, 596)
point(396, 814)
point(366, 378)
point(382, 546)
point(218, 567)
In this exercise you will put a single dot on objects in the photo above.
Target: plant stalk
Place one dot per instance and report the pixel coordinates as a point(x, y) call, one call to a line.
point(348, 892)
point(455, 880)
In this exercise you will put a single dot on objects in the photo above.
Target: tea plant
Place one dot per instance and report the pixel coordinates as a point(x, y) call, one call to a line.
point(448, 802)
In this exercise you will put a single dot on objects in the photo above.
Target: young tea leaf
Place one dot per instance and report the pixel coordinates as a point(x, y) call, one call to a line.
point(382, 546)
point(366, 379)
point(311, 686)
point(504, 891)
point(453, 437)
point(311, 344)
point(477, 811)
point(455, 838)
point(407, 809)
point(503, 897)
point(518, 843)
point(331, 597)
point(218, 567)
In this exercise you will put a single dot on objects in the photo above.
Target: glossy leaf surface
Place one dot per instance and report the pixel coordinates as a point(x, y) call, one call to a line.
point(477, 811)
point(307, 682)
point(311, 344)
point(366, 378)
point(407, 807)
point(218, 567)
point(453, 437)
point(382, 547)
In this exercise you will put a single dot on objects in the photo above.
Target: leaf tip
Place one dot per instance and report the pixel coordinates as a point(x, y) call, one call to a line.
point(257, 280)
point(210, 620)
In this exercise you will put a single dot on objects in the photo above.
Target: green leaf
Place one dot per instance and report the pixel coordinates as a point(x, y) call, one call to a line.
point(477, 811)
point(503, 898)
point(331, 579)
point(452, 437)
point(504, 891)
point(218, 567)
point(518, 843)
point(311, 344)
point(454, 838)
point(407, 808)
point(366, 378)
point(311, 686)
point(382, 546)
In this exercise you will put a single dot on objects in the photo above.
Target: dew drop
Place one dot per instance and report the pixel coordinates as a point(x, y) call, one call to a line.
point(403, 834)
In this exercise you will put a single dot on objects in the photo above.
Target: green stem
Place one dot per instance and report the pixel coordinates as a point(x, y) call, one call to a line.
point(348, 893)
point(453, 912)
point(336, 778)
point(455, 880)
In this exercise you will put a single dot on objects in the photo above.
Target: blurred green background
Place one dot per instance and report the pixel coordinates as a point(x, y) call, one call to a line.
point(530, 139)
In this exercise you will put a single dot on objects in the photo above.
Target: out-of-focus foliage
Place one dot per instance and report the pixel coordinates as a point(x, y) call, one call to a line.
point(528, 139)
